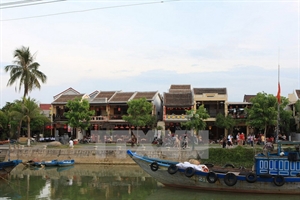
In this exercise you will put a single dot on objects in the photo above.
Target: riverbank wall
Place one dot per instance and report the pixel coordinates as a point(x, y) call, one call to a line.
point(97, 156)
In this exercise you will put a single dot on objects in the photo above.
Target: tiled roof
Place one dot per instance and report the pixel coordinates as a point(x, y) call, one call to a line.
point(247, 98)
point(298, 94)
point(178, 99)
point(105, 94)
point(94, 94)
point(65, 98)
point(147, 95)
point(179, 90)
point(210, 90)
point(180, 87)
point(121, 97)
point(44, 106)
point(66, 91)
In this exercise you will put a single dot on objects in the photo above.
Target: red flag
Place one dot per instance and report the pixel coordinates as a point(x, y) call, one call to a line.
point(278, 93)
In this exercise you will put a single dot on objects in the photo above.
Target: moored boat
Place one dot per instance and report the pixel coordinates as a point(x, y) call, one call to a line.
point(7, 166)
point(50, 163)
point(64, 163)
point(274, 173)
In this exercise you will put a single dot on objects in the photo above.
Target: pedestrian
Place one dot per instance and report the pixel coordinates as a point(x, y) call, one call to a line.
point(237, 138)
point(71, 143)
point(229, 140)
point(251, 140)
point(242, 139)
point(224, 142)
point(262, 139)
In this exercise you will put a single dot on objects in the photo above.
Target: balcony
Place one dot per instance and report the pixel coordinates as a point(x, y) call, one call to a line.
point(174, 117)
point(59, 118)
point(241, 116)
point(98, 118)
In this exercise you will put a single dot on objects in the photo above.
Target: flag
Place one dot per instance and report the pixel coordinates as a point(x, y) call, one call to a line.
point(278, 93)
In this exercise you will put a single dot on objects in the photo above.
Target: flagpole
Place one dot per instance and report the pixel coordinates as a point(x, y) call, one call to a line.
point(278, 103)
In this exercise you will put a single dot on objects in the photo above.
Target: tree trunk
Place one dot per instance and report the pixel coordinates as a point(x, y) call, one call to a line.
point(265, 133)
point(28, 133)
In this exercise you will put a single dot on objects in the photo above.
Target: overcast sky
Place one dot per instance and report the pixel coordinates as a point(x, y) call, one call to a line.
point(148, 45)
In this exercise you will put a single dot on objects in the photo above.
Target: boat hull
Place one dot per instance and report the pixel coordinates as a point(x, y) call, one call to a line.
point(8, 166)
point(65, 163)
point(199, 180)
point(51, 163)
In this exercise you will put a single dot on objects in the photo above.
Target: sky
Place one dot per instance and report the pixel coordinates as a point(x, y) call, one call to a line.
point(145, 45)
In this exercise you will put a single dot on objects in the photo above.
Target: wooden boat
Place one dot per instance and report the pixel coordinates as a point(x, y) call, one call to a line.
point(276, 173)
point(7, 166)
point(34, 163)
point(64, 163)
point(50, 163)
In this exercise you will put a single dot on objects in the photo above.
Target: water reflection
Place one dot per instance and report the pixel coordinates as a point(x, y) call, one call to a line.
point(77, 182)
point(101, 182)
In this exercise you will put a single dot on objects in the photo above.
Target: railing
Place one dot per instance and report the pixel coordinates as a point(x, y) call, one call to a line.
point(176, 117)
point(112, 117)
point(105, 118)
point(99, 118)
point(60, 118)
point(244, 116)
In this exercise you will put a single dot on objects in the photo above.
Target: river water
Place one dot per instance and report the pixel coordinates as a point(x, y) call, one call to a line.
point(102, 182)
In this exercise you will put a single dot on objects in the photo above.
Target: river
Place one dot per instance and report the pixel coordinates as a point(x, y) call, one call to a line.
point(102, 182)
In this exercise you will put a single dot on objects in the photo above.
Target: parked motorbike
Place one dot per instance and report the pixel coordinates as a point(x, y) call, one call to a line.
point(157, 141)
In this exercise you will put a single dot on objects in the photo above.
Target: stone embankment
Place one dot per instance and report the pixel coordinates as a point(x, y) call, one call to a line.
point(97, 156)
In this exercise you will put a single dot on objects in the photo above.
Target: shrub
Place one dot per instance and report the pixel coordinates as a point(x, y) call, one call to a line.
point(239, 156)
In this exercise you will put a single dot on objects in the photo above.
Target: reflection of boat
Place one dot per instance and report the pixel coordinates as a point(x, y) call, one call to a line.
point(184, 194)
point(64, 163)
point(276, 173)
point(3, 153)
point(60, 169)
point(52, 163)
point(7, 166)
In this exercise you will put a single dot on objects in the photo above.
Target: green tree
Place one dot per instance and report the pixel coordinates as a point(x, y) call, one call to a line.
point(297, 114)
point(26, 111)
point(79, 113)
point(226, 122)
point(263, 112)
point(285, 115)
point(9, 126)
point(4, 125)
point(196, 119)
point(139, 113)
point(25, 71)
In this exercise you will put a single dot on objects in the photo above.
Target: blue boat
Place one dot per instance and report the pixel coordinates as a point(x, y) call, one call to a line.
point(50, 163)
point(7, 166)
point(65, 168)
point(64, 163)
point(275, 173)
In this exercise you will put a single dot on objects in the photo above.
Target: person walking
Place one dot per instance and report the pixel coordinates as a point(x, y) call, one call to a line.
point(242, 139)
point(71, 143)
point(251, 140)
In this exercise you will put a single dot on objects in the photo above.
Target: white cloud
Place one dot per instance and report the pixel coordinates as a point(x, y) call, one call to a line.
point(206, 44)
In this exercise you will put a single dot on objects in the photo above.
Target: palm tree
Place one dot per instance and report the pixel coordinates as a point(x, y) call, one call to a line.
point(26, 70)
point(26, 111)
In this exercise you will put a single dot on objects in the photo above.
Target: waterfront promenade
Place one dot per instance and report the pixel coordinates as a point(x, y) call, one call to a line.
point(98, 153)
